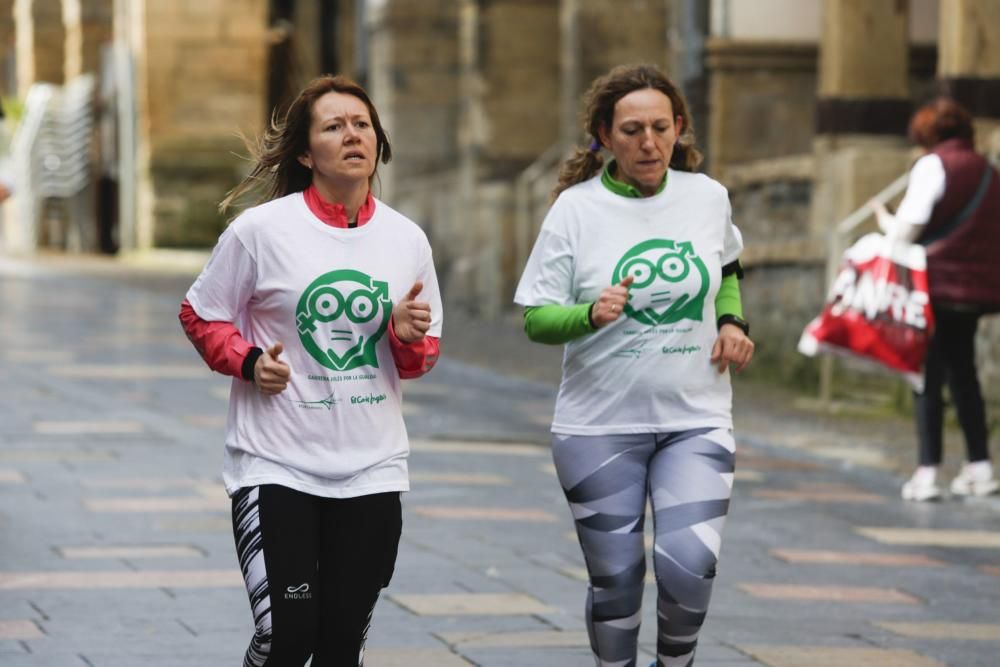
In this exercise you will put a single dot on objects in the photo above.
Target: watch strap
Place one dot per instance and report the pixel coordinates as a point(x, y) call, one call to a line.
point(736, 320)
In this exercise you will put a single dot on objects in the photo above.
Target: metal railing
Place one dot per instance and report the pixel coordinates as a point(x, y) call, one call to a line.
point(839, 242)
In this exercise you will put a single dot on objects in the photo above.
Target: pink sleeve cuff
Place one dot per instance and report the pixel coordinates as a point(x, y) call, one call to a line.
point(413, 359)
point(220, 344)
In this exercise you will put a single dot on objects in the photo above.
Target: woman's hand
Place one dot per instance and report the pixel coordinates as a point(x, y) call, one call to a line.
point(269, 374)
point(877, 207)
point(411, 319)
point(732, 347)
point(882, 214)
point(610, 303)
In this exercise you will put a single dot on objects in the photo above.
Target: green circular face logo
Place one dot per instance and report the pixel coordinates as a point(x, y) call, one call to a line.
point(340, 318)
point(669, 282)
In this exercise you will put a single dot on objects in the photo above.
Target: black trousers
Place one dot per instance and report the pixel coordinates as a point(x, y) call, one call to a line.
point(314, 568)
point(951, 360)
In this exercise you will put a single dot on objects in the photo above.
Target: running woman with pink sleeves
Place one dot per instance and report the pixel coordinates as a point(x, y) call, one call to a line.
point(318, 302)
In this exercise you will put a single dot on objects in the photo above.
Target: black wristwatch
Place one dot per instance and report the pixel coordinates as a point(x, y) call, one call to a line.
point(734, 319)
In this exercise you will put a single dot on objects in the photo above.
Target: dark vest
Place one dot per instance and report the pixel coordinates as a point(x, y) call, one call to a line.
point(963, 266)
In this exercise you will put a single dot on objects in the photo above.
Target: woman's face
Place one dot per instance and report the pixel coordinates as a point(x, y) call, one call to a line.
point(342, 141)
point(642, 137)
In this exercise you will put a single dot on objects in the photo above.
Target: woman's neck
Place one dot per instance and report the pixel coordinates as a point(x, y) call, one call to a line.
point(350, 195)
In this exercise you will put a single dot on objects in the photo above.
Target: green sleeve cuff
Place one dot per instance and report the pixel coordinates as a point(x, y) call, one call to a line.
point(728, 301)
point(556, 325)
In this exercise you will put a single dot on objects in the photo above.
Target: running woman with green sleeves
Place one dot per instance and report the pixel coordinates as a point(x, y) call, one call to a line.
point(636, 271)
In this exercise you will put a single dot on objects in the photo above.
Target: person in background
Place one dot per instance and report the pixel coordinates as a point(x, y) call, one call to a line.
point(317, 301)
point(951, 206)
point(6, 175)
point(635, 271)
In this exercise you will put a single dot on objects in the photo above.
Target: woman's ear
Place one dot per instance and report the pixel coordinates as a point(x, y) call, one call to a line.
point(305, 161)
point(679, 124)
point(602, 136)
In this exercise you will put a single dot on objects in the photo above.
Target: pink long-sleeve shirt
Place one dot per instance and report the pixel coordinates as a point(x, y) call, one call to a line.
point(224, 349)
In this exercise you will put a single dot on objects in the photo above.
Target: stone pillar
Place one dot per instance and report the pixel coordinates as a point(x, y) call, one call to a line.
point(509, 114)
point(88, 26)
point(6, 46)
point(969, 63)
point(413, 81)
point(40, 42)
point(597, 35)
point(511, 71)
point(200, 75)
point(571, 73)
point(350, 45)
point(861, 119)
point(308, 38)
point(626, 33)
point(761, 96)
point(308, 28)
point(863, 106)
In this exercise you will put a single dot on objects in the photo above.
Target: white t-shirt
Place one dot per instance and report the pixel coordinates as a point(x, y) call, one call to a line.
point(923, 191)
point(326, 293)
point(649, 371)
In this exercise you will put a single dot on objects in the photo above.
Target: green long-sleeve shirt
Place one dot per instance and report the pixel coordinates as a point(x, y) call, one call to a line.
point(556, 325)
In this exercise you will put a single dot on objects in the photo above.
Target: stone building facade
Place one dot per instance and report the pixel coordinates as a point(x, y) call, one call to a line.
point(800, 108)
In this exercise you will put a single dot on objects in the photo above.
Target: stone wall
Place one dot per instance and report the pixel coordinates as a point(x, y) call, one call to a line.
point(988, 359)
point(785, 269)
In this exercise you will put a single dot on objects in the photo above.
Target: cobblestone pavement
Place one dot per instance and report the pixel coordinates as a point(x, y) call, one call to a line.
point(115, 544)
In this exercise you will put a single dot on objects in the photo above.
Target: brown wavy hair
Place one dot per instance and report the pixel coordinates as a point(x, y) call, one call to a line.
point(940, 120)
point(599, 111)
point(276, 170)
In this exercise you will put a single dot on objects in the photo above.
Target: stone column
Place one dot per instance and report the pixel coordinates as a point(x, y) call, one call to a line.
point(510, 67)
point(40, 42)
point(200, 75)
point(570, 71)
point(969, 63)
point(509, 115)
point(413, 81)
point(861, 118)
point(761, 96)
point(863, 106)
point(6, 46)
point(597, 35)
point(88, 26)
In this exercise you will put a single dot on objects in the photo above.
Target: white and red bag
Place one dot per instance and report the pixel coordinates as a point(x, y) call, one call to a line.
point(878, 309)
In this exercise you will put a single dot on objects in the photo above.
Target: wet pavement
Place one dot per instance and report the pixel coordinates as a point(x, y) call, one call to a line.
point(116, 550)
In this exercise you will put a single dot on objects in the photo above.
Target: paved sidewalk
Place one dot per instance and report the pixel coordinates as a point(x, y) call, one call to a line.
point(115, 544)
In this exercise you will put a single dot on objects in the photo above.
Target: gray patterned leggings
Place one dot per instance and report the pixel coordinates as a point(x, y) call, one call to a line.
point(688, 478)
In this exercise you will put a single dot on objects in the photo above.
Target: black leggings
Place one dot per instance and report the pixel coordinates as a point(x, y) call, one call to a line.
point(314, 568)
point(951, 359)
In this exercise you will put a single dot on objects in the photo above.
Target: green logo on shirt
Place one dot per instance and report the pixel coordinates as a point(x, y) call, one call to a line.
point(340, 318)
point(670, 282)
